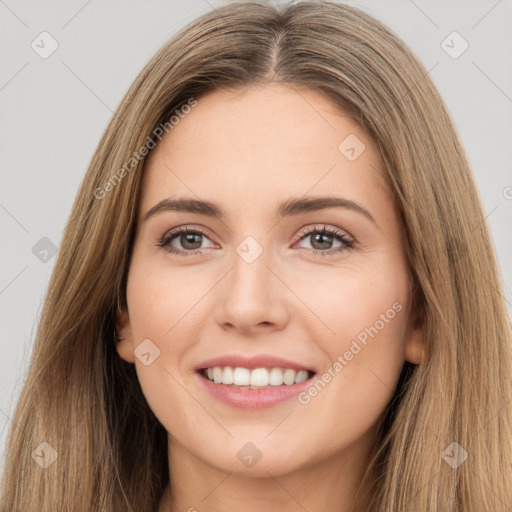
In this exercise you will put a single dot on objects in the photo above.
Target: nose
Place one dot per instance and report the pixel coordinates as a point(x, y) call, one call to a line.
point(252, 297)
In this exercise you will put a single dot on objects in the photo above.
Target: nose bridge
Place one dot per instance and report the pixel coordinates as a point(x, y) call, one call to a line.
point(250, 296)
point(249, 280)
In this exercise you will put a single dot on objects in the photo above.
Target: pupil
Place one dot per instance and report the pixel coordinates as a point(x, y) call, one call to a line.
point(318, 238)
point(191, 238)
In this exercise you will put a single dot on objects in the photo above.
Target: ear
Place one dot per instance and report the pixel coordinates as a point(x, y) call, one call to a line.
point(415, 342)
point(124, 347)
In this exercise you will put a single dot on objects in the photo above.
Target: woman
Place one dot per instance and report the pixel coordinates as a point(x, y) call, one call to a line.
point(249, 371)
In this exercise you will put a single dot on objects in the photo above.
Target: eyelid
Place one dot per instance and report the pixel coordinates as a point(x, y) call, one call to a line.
point(319, 227)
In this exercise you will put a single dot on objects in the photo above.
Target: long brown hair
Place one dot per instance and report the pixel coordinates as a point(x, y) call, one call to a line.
point(83, 400)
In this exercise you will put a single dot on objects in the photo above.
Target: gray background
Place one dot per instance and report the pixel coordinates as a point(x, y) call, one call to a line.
point(54, 110)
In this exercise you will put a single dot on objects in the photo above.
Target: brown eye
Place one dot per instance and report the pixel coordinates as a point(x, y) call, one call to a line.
point(322, 240)
point(189, 241)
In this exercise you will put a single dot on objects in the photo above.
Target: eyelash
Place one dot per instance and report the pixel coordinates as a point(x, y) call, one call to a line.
point(325, 230)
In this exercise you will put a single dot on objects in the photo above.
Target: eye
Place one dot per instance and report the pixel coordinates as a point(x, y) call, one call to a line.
point(322, 239)
point(190, 240)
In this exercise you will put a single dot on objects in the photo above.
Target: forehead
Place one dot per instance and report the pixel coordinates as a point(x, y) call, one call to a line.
point(248, 146)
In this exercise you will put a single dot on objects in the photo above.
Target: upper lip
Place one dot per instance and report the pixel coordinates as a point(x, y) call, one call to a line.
point(255, 361)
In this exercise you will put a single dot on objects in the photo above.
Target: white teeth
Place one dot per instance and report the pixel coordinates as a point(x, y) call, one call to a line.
point(259, 377)
point(217, 375)
point(227, 375)
point(302, 375)
point(289, 376)
point(276, 377)
point(256, 378)
point(241, 377)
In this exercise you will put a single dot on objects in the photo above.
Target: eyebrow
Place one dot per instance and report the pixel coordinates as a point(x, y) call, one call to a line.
point(290, 207)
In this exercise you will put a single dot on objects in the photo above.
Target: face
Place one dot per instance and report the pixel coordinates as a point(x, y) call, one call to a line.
point(273, 286)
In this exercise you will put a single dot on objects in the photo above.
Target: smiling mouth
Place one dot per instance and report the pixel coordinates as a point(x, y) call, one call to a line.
point(255, 378)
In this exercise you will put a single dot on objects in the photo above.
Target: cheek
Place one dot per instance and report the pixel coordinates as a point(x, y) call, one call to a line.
point(353, 301)
point(161, 310)
point(164, 301)
point(367, 312)
point(167, 306)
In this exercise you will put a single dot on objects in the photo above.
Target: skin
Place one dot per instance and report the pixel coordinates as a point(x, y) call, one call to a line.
point(248, 150)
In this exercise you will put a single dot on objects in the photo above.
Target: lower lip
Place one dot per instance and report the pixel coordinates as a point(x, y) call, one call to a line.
point(245, 398)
